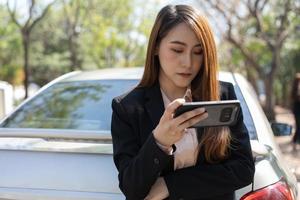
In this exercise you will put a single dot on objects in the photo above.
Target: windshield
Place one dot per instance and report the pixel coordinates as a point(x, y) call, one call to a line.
point(81, 105)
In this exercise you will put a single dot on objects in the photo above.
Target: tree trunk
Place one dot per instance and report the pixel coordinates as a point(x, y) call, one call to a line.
point(72, 54)
point(251, 76)
point(73, 48)
point(269, 84)
point(127, 57)
point(25, 38)
point(269, 106)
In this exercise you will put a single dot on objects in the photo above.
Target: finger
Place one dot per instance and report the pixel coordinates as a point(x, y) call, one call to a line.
point(193, 121)
point(173, 106)
point(188, 115)
point(188, 95)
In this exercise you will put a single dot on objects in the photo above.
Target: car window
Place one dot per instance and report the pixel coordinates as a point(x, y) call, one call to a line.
point(82, 105)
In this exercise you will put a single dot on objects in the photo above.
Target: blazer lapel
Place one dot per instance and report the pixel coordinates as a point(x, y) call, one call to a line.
point(154, 103)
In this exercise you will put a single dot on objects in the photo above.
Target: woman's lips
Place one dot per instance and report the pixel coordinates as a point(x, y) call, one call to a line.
point(185, 75)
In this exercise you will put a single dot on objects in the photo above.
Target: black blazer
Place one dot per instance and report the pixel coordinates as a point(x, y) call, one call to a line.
point(140, 161)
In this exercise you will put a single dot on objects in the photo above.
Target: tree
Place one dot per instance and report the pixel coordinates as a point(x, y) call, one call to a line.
point(35, 15)
point(291, 65)
point(259, 29)
point(75, 12)
point(116, 35)
point(105, 31)
point(10, 44)
point(79, 34)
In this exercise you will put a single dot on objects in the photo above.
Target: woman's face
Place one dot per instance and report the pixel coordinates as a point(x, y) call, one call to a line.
point(180, 55)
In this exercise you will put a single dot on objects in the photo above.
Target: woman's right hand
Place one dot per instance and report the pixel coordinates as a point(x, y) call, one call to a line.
point(170, 130)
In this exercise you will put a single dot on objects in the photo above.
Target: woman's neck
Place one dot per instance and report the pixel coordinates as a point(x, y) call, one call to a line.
point(172, 92)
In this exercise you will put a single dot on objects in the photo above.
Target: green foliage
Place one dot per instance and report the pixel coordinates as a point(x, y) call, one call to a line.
point(116, 34)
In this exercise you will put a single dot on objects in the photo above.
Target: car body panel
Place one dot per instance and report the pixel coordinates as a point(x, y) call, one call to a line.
point(51, 172)
point(45, 194)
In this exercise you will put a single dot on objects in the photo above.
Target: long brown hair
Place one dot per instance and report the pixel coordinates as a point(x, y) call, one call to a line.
point(205, 86)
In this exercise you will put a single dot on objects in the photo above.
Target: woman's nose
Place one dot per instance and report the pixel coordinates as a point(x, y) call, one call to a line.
point(186, 60)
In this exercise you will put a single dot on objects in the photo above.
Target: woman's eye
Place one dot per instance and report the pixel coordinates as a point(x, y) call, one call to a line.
point(177, 50)
point(199, 52)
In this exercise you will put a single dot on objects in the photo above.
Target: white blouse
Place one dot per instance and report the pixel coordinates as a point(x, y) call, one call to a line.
point(187, 147)
point(185, 156)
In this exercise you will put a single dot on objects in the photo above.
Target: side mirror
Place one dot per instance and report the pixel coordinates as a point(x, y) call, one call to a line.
point(281, 129)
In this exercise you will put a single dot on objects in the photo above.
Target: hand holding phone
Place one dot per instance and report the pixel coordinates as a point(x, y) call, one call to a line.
point(220, 113)
point(170, 130)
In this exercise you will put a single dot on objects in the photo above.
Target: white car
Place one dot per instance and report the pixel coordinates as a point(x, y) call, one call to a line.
point(57, 144)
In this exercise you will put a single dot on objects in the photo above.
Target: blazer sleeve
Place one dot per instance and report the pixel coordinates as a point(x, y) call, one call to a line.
point(139, 165)
point(209, 180)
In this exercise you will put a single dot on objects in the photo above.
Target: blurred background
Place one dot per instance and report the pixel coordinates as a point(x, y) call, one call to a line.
point(41, 40)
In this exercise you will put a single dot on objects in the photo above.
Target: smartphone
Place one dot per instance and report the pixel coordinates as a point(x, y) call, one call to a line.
point(220, 113)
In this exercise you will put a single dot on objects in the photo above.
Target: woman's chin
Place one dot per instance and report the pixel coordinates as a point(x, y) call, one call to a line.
point(183, 85)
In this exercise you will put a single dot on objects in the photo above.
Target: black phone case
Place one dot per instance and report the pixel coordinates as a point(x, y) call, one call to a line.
point(220, 113)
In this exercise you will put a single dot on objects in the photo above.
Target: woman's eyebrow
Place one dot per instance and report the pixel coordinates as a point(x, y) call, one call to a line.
point(184, 44)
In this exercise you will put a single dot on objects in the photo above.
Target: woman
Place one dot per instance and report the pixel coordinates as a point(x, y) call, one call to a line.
point(157, 156)
point(296, 109)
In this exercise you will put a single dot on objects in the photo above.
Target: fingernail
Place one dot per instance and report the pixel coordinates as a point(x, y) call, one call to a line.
point(181, 100)
point(201, 109)
point(187, 92)
point(206, 114)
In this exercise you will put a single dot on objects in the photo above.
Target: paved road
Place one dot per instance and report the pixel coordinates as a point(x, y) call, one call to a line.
point(291, 156)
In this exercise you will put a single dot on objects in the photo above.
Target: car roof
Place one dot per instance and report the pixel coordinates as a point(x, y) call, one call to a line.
point(109, 73)
point(123, 73)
